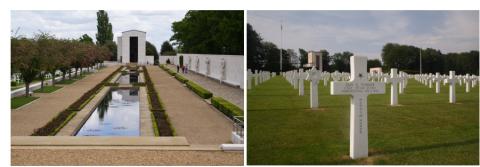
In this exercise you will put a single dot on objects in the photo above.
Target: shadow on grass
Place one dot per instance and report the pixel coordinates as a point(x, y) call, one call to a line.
point(422, 148)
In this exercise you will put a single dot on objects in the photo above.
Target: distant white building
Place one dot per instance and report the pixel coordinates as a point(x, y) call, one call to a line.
point(314, 59)
point(131, 48)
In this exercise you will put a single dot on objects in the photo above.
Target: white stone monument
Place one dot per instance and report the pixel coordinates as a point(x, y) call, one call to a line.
point(313, 76)
point(451, 81)
point(301, 76)
point(358, 88)
point(394, 80)
point(131, 48)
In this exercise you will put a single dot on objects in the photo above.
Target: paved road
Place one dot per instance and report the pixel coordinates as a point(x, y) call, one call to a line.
point(123, 157)
point(190, 115)
point(230, 93)
point(38, 113)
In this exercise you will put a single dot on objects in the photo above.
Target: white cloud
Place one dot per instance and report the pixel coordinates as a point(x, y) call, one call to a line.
point(73, 24)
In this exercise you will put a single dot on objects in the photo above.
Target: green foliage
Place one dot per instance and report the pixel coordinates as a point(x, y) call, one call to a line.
point(164, 128)
point(407, 58)
point(180, 78)
point(47, 89)
point(20, 101)
point(373, 63)
point(202, 92)
point(303, 56)
point(424, 130)
point(86, 39)
point(25, 60)
point(341, 61)
point(104, 28)
point(167, 49)
point(226, 107)
point(151, 50)
point(255, 53)
point(210, 32)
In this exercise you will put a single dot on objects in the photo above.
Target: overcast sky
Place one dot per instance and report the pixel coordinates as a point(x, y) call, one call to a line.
point(365, 32)
point(73, 24)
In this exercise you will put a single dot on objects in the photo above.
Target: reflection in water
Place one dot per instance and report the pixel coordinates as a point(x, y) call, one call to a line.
point(116, 115)
point(128, 78)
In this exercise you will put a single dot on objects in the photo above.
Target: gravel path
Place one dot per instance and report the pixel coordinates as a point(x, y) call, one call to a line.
point(38, 113)
point(190, 115)
point(232, 94)
point(123, 157)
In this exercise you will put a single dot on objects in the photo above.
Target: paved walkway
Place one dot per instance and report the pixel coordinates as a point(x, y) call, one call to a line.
point(232, 94)
point(123, 157)
point(38, 113)
point(190, 115)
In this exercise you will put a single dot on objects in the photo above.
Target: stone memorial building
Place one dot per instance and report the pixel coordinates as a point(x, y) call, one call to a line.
point(131, 47)
point(314, 59)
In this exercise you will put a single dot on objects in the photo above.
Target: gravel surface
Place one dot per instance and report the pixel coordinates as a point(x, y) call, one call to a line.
point(123, 157)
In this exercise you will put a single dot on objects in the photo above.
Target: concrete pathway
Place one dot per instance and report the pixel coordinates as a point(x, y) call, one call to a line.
point(38, 113)
point(190, 115)
point(230, 93)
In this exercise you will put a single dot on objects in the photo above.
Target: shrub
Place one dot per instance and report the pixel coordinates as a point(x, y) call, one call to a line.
point(139, 84)
point(181, 78)
point(199, 90)
point(111, 84)
point(162, 125)
point(226, 107)
point(168, 61)
point(13, 83)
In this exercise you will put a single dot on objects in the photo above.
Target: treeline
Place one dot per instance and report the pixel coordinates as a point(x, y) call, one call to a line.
point(35, 58)
point(263, 55)
point(407, 58)
point(209, 32)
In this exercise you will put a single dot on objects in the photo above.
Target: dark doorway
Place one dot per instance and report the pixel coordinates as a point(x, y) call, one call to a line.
point(133, 49)
point(317, 63)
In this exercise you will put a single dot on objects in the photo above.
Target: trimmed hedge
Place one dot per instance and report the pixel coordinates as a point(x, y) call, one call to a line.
point(160, 119)
point(168, 70)
point(226, 107)
point(202, 92)
point(138, 84)
point(181, 78)
point(52, 127)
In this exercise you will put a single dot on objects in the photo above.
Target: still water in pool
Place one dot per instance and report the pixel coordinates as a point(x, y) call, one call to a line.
point(116, 115)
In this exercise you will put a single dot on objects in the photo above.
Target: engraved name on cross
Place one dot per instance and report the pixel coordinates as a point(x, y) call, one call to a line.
point(358, 88)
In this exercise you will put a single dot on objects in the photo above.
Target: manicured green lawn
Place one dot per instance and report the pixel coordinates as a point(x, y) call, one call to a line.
point(73, 80)
point(47, 89)
point(20, 101)
point(425, 129)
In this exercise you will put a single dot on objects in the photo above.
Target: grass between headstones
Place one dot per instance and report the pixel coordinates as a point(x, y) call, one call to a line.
point(424, 129)
point(21, 100)
point(47, 89)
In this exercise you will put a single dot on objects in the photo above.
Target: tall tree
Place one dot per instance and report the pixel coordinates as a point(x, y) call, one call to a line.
point(255, 53)
point(104, 28)
point(325, 60)
point(86, 39)
point(167, 49)
point(303, 56)
point(152, 50)
point(210, 32)
point(25, 59)
point(341, 61)
point(373, 63)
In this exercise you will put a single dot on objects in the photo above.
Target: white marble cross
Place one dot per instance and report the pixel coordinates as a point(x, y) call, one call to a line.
point(313, 76)
point(467, 80)
point(394, 80)
point(301, 76)
point(249, 79)
point(437, 80)
point(451, 81)
point(256, 76)
point(358, 88)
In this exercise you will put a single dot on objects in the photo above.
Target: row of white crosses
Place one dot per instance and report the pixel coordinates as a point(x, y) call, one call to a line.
point(258, 77)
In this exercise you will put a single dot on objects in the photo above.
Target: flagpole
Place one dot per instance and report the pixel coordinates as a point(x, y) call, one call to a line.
point(281, 44)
